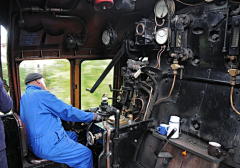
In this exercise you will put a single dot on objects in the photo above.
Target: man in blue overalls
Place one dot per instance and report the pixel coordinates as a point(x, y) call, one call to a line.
point(5, 106)
point(42, 112)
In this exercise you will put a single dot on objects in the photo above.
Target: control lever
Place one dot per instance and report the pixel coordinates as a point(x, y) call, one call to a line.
point(164, 142)
point(111, 89)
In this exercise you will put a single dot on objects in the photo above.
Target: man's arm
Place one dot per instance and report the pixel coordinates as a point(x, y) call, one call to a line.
point(63, 110)
point(5, 100)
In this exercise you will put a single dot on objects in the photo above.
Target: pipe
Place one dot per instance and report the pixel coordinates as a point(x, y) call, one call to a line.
point(77, 18)
point(198, 79)
point(153, 97)
point(141, 108)
point(231, 101)
point(174, 79)
point(150, 95)
point(107, 143)
point(46, 9)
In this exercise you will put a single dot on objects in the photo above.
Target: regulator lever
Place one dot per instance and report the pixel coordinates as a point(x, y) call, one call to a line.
point(164, 142)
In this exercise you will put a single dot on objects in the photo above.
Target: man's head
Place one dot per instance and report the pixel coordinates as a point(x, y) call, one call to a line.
point(35, 79)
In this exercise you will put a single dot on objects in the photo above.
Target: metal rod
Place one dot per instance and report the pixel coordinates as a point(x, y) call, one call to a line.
point(226, 26)
point(1, 74)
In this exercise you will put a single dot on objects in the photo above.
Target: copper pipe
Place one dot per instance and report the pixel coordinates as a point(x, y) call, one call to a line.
point(108, 140)
point(163, 21)
point(150, 95)
point(159, 55)
point(174, 78)
point(141, 108)
point(231, 101)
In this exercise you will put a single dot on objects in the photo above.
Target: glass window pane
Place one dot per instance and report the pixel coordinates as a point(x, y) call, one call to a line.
point(55, 72)
point(90, 72)
point(3, 34)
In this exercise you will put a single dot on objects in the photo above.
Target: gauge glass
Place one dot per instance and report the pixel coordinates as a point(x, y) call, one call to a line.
point(160, 9)
point(106, 37)
point(161, 36)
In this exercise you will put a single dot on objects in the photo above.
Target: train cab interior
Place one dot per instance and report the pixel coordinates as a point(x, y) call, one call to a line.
point(172, 63)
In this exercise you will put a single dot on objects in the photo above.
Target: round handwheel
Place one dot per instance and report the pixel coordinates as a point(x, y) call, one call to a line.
point(90, 138)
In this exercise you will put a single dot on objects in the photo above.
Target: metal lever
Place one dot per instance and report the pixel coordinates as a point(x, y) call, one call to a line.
point(164, 142)
point(114, 61)
point(111, 89)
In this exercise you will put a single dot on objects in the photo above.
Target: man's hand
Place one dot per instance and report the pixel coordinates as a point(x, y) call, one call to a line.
point(97, 117)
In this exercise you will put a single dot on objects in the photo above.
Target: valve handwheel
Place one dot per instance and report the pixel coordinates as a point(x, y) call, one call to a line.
point(90, 138)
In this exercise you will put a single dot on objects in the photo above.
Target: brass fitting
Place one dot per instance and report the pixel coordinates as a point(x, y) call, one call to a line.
point(176, 66)
point(233, 81)
point(233, 72)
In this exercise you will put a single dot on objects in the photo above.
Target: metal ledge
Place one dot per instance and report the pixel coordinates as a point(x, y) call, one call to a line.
point(192, 148)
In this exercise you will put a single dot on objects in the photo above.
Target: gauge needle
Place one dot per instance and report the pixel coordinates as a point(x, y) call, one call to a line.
point(162, 12)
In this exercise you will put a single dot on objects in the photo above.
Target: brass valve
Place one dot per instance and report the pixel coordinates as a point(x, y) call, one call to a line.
point(175, 66)
point(233, 72)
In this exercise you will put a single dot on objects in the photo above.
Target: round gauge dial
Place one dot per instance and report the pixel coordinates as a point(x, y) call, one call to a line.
point(106, 37)
point(109, 37)
point(161, 36)
point(161, 9)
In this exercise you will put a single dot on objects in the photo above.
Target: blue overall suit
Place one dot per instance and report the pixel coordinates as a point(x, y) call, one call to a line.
point(41, 112)
point(5, 106)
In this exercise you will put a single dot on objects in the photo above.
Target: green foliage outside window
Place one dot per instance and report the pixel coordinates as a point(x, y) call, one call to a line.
point(55, 72)
point(91, 70)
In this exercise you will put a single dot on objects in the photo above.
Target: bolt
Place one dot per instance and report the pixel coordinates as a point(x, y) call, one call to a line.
point(231, 151)
point(165, 162)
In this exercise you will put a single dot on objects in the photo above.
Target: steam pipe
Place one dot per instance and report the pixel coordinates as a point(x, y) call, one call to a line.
point(141, 108)
point(150, 95)
point(198, 79)
point(77, 18)
point(46, 9)
point(153, 97)
point(107, 143)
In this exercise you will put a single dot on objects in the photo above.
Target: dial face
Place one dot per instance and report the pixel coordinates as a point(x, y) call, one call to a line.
point(161, 36)
point(160, 9)
point(106, 37)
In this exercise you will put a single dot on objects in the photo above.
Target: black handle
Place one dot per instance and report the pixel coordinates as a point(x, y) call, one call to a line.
point(164, 142)
point(171, 133)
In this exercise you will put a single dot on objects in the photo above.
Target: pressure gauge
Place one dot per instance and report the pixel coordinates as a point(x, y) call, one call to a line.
point(106, 37)
point(161, 36)
point(161, 9)
point(109, 36)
